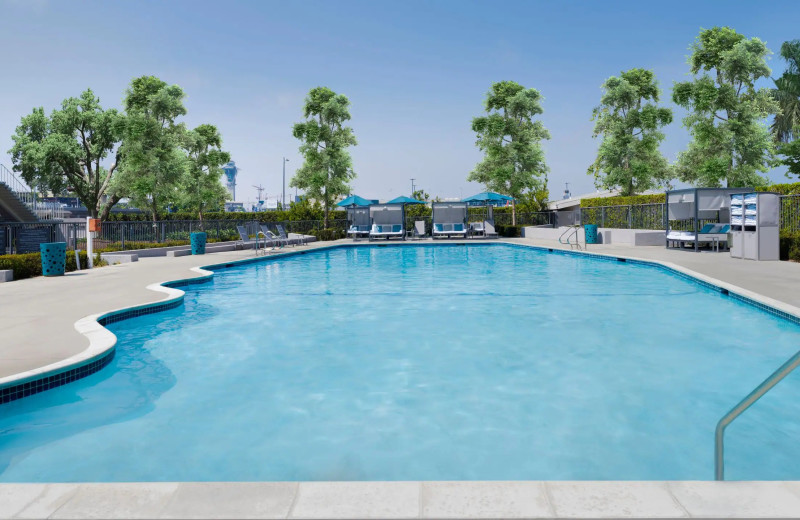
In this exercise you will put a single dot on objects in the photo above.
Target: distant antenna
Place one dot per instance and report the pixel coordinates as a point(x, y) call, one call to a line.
point(566, 192)
point(260, 189)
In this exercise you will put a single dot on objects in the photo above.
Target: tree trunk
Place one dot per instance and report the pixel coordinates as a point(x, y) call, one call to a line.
point(107, 207)
point(513, 212)
point(325, 221)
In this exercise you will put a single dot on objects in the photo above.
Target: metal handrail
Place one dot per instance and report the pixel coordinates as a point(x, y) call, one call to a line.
point(774, 378)
point(574, 231)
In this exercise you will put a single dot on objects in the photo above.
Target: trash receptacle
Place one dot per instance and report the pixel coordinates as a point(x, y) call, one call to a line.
point(590, 232)
point(54, 258)
point(198, 243)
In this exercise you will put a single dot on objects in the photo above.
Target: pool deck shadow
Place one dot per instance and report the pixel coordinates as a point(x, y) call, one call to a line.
point(39, 329)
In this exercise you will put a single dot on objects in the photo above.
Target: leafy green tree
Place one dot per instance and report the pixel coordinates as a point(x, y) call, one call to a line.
point(420, 195)
point(513, 160)
point(730, 143)
point(327, 168)
point(201, 185)
point(68, 149)
point(786, 125)
point(629, 120)
point(534, 201)
point(153, 161)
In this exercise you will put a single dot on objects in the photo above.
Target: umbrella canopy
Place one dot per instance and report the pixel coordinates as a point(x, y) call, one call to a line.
point(487, 196)
point(354, 200)
point(402, 199)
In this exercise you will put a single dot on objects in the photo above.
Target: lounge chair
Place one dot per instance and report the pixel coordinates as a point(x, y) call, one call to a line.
point(272, 237)
point(710, 233)
point(448, 230)
point(386, 231)
point(476, 229)
point(261, 238)
point(292, 238)
point(419, 229)
point(357, 231)
point(488, 229)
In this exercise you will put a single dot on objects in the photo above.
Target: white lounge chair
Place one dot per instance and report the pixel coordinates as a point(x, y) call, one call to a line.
point(272, 237)
point(357, 231)
point(386, 231)
point(488, 229)
point(449, 229)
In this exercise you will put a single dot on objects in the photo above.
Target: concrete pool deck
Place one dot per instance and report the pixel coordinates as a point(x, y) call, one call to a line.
point(38, 329)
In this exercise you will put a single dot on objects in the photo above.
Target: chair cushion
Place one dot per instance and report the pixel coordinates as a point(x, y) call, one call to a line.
point(438, 227)
point(448, 227)
point(707, 228)
point(396, 228)
point(458, 227)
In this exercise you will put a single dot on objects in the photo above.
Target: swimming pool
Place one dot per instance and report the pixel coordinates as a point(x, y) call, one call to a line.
point(432, 362)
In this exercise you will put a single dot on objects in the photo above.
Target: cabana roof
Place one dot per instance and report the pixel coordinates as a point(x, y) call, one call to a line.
point(449, 212)
point(383, 214)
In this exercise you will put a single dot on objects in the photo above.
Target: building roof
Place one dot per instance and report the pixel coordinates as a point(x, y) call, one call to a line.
point(574, 202)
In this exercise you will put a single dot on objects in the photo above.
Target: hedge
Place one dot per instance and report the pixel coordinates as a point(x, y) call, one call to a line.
point(790, 246)
point(328, 234)
point(509, 231)
point(783, 189)
point(28, 265)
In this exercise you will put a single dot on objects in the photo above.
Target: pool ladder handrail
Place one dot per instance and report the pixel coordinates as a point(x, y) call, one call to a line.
point(776, 377)
point(260, 234)
point(570, 232)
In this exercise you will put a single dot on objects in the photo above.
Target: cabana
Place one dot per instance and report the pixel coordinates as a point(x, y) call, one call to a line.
point(487, 199)
point(693, 212)
point(449, 218)
point(359, 221)
point(387, 221)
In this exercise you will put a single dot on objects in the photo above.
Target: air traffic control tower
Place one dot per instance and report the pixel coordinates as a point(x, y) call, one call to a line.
point(231, 170)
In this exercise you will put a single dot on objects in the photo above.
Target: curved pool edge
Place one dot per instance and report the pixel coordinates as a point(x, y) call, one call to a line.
point(102, 341)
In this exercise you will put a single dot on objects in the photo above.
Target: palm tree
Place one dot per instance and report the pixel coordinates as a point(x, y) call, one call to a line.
point(787, 123)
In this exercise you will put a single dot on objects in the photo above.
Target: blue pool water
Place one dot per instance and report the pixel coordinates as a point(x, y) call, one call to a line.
point(422, 363)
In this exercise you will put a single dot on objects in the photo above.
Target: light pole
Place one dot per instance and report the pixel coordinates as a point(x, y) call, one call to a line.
point(412, 187)
point(283, 195)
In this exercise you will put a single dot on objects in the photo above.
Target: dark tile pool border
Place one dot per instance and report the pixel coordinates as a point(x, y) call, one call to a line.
point(80, 370)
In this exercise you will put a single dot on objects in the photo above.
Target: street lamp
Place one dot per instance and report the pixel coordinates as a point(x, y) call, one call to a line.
point(283, 196)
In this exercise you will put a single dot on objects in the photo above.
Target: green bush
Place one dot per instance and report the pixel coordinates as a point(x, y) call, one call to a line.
point(509, 231)
point(783, 189)
point(28, 265)
point(790, 246)
point(328, 234)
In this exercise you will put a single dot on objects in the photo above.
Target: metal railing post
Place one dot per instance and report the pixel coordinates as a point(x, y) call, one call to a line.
point(766, 385)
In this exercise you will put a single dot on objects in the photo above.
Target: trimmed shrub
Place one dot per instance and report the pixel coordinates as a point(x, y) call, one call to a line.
point(328, 234)
point(783, 189)
point(623, 201)
point(790, 246)
point(28, 265)
point(509, 231)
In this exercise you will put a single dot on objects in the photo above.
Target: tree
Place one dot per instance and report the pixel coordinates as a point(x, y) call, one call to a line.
point(327, 168)
point(511, 141)
point(420, 195)
point(67, 150)
point(153, 161)
point(730, 142)
point(629, 121)
point(786, 125)
point(201, 186)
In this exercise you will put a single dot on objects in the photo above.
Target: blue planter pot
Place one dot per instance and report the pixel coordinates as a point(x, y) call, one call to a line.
point(590, 232)
point(54, 258)
point(198, 243)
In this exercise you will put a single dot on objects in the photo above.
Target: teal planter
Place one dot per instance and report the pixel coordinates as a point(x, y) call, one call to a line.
point(590, 232)
point(199, 243)
point(54, 258)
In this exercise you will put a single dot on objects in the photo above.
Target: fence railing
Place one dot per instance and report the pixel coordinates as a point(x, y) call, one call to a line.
point(29, 197)
point(25, 237)
point(653, 216)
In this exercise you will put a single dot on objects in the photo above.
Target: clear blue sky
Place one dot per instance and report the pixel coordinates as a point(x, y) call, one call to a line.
point(415, 72)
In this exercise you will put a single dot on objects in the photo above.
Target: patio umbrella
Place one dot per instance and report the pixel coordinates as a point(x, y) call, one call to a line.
point(354, 200)
point(487, 196)
point(402, 199)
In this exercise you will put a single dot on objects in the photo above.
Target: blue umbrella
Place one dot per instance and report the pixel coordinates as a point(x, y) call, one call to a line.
point(354, 200)
point(402, 199)
point(487, 196)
